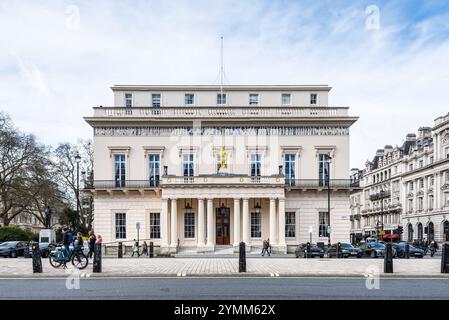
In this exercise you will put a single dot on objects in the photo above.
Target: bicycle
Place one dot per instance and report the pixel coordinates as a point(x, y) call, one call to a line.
point(59, 257)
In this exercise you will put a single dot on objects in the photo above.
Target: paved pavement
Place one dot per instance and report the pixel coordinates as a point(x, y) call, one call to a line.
point(275, 267)
point(266, 289)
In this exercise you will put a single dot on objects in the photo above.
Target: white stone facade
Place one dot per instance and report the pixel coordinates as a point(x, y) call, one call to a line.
point(414, 179)
point(159, 154)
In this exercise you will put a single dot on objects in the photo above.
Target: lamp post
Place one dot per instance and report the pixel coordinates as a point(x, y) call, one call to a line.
point(328, 161)
point(48, 214)
point(77, 160)
point(382, 195)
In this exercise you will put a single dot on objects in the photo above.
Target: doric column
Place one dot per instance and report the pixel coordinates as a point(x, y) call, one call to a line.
point(164, 223)
point(281, 222)
point(174, 223)
point(210, 222)
point(236, 222)
point(245, 226)
point(273, 236)
point(201, 222)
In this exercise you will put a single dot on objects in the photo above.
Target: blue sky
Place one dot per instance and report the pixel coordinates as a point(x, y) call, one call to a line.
point(59, 58)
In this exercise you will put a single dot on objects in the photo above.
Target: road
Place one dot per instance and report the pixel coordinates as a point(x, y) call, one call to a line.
point(223, 288)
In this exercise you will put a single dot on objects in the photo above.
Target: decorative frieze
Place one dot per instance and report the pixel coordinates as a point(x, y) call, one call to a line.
point(227, 131)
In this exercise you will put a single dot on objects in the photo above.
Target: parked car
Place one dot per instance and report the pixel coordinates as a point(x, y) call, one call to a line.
point(373, 249)
point(12, 249)
point(347, 250)
point(414, 252)
point(44, 247)
point(315, 251)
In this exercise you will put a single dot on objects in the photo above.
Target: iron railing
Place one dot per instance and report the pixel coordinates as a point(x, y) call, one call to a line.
point(321, 183)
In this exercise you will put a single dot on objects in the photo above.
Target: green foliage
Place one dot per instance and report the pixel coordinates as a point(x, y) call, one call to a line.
point(16, 234)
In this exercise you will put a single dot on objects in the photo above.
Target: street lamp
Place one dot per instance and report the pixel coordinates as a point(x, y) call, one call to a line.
point(77, 160)
point(328, 161)
point(382, 195)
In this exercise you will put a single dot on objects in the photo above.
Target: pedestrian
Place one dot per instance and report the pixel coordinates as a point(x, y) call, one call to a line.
point(99, 239)
point(79, 244)
point(144, 248)
point(433, 248)
point(91, 242)
point(135, 249)
point(66, 241)
point(265, 246)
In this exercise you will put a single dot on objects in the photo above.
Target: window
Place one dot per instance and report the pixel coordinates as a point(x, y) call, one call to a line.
point(411, 185)
point(253, 99)
point(421, 183)
point(420, 203)
point(430, 202)
point(256, 225)
point(128, 100)
point(410, 166)
point(120, 171)
point(324, 162)
point(431, 180)
point(120, 225)
point(286, 99)
point(156, 100)
point(410, 205)
point(447, 152)
point(290, 224)
point(188, 165)
point(289, 164)
point(189, 99)
point(421, 163)
point(189, 225)
point(395, 170)
point(255, 165)
point(154, 169)
point(431, 160)
point(324, 223)
point(155, 225)
point(313, 98)
point(221, 98)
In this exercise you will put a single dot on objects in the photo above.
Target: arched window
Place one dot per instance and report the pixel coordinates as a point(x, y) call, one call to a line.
point(420, 231)
point(446, 230)
point(410, 233)
point(430, 231)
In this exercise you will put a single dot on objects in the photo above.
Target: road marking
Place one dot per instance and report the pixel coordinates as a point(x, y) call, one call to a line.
point(227, 277)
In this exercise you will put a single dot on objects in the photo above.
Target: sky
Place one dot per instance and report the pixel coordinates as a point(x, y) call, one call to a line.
point(387, 60)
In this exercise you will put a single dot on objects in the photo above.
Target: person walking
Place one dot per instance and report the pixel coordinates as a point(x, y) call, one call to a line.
point(91, 241)
point(135, 249)
point(144, 249)
point(78, 244)
point(433, 248)
point(265, 246)
point(66, 241)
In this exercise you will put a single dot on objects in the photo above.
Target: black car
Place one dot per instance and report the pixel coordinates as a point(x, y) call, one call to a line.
point(12, 249)
point(414, 252)
point(315, 251)
point(346, 250)
point(44, 247)
point(372, 249)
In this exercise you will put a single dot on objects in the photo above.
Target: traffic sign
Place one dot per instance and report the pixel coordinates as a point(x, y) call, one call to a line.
point(138, 225)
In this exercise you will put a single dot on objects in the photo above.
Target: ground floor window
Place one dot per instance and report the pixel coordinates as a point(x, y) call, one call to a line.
point(256, 225)
point(324, 223)
point(120, 225)
point(290, 224)
point(155, 225)
point(189, 225)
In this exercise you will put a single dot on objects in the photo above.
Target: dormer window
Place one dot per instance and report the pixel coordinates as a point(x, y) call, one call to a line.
point(221, 99)
point(286, 99)
point(189, 99)
point(313, 98)
point(156, 100)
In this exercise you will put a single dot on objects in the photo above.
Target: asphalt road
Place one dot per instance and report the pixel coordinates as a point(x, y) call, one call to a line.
point(224, 288)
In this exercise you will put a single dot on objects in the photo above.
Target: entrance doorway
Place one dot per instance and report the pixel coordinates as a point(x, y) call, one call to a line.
point(222, 226)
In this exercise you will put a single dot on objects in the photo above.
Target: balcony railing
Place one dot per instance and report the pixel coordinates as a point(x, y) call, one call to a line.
point(222, 180)
point(123, 184)
point(220, 112)
point(318, 183)
point(379, 195)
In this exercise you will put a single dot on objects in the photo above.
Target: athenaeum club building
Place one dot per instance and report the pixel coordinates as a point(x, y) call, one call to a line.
point(204, 167)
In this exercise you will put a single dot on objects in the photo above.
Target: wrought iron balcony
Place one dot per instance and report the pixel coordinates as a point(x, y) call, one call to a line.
point(321, 184)
point(123, 184)
point(380, 195)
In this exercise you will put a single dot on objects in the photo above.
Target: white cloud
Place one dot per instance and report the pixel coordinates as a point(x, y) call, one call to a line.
point(394, 84)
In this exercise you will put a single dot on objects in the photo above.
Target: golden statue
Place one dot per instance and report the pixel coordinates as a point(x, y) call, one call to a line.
point(223, 158)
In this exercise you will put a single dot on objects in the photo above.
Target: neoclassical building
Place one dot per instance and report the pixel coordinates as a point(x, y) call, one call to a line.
point(206, 167)
point(408, 186)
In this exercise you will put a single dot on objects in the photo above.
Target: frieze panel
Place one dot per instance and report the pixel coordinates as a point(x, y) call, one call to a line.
point(218, 131)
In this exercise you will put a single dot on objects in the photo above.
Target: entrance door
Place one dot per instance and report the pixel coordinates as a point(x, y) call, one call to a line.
point(222, 226)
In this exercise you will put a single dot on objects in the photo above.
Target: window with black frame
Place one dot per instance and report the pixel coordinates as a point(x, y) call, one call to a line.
point(290, 225)
point(189, 225)
point(323, 223)
point(120, 225)
point(256, 225)
point(155, 225)
point(323, 174)
point(289, 165)
point(255, 165)
point(120, 170)
point(154, 171)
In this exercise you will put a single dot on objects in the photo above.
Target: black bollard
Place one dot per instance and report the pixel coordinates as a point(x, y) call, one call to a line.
point(388, 259)
point(407, 251)
point(242, 257)
point(120, 250)
point(151, 250)
point(308, 252)
point(37, 261)
point(97, 258)
point(445, 259)
point(338, 249)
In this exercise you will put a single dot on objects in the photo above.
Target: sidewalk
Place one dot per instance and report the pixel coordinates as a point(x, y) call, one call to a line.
point(219, 267)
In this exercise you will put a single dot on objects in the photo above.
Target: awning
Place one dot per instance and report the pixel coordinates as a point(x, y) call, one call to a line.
point(391, 236)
